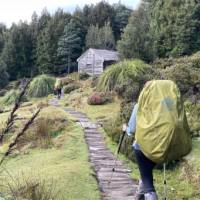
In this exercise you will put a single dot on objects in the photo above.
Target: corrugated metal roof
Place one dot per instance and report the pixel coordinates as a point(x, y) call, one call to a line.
point(106, 55)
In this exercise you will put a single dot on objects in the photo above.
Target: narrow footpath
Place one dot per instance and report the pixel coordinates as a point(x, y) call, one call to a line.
point(122, 186)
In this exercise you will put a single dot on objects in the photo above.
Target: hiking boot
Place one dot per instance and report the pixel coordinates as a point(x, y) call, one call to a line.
point(140, 192)
point(151, 196)
point(141, 187)
point(139, 196)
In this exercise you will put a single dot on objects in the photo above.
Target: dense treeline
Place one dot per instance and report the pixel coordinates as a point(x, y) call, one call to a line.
point(162, 28)
point(52, 43)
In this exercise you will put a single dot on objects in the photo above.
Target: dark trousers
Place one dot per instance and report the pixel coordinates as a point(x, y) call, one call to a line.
point(59, 91)
point(146, 170)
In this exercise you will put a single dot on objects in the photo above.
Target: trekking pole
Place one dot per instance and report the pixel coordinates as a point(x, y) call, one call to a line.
point(118, 150)
point(165, 182)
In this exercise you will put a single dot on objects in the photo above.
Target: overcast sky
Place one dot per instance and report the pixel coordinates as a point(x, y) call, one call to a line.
point(14, 10)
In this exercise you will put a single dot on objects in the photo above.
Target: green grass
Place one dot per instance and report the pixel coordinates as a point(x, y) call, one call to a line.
point(107, 111)
point(66, 163)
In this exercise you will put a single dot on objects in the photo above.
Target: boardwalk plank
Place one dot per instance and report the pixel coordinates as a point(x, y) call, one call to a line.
point(122, 186)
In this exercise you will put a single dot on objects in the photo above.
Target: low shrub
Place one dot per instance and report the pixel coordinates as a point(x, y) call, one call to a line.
point(129, 91)
point(185, 71)
point(99, 98)
point(193, 61)
point(186, 77)
point(83, 76)
point(193, 116)
point(66, 80)
point(71, 87)
point(41, 86)
point(114, 130)
point(94, 81)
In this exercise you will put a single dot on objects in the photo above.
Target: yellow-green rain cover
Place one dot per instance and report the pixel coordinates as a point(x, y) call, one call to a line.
point(162, 130)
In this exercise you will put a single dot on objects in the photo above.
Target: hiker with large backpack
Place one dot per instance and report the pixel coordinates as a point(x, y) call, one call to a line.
point(58, 87)
point(161, 131)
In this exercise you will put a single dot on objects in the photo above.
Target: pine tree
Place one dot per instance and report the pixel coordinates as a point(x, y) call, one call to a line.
point(17, 51)
point(70, 45)
point(122, 14)
point(93, 37)
point(136, 40)
point(175, 26)
point(3, 74)
point(107, 39)
point(47, 58)
point(100, 38)
point(2, 39)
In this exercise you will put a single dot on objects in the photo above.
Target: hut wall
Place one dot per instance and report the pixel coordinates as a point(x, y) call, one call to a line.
point(87, 62)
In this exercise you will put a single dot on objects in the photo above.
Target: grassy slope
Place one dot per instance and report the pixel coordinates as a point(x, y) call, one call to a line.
point(179, 186)
point(67, 164)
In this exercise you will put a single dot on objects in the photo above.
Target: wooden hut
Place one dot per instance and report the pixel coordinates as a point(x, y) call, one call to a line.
point(94, 61)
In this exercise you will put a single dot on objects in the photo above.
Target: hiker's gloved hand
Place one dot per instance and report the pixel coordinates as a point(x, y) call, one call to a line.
point(124, 127)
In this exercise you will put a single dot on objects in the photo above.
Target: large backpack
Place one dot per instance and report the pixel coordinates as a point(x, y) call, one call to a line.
point(58, 84)
point(162, 130)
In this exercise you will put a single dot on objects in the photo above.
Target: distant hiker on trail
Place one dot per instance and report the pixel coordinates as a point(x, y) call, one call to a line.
point(22, 83)
point(58, 87)
point(161, 131)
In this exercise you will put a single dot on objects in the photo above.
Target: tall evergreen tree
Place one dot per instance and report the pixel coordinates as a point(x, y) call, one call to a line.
point(34, 28)
point(70, 45)
point(175, 26)
point(3, 74)
point(122, 14)
point(17, 51)
point(47, 59)
point(93, 37)
point(2, 33)
point(136, 40)
point(100, 38)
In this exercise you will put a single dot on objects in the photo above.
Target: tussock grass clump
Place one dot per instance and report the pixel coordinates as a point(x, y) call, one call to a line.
point(10, 98)
point(41, 86)
point(42, 133)
point(31, 188)
point(123, 72)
